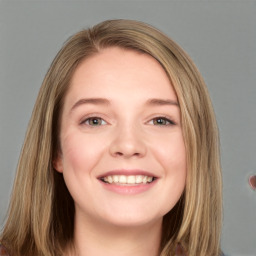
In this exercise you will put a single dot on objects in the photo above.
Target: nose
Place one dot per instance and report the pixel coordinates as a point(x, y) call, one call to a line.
point(128, 142)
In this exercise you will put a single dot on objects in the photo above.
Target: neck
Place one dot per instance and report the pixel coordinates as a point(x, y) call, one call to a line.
point(109, 240)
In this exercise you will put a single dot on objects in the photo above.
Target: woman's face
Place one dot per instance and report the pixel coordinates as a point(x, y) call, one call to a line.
point(122, 150)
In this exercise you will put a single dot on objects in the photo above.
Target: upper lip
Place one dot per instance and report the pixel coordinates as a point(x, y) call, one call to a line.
point(127, 172)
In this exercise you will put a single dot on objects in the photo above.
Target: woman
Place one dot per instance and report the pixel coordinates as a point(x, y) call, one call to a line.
point(121, 155)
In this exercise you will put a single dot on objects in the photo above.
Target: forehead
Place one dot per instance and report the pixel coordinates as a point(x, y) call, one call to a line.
point(115, 71)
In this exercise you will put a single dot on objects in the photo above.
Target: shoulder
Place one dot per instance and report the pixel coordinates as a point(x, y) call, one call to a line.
point(3, 251)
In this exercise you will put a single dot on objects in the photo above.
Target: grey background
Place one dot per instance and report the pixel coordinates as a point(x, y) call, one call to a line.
point(220, 36)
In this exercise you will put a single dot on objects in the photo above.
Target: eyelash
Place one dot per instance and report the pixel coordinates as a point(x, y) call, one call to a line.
point(92, 119)
point(167, 121)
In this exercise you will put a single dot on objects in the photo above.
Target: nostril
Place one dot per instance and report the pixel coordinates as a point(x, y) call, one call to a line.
point(252, 182)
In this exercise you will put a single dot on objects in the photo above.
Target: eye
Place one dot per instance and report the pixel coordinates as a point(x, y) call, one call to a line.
point(94, 121)
point(161, 121)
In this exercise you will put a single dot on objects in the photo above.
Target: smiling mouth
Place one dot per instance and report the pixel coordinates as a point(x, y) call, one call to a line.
point(128, 180)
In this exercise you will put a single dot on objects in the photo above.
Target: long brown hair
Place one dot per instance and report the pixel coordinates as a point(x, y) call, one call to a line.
point(41, 212)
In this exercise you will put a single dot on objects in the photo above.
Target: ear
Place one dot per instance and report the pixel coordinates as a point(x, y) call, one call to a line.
point(58, 163)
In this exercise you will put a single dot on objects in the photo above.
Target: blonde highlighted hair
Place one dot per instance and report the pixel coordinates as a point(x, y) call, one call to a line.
point(41, 212)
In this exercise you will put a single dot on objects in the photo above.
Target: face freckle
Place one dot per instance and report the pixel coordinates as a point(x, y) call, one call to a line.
point(123, 155)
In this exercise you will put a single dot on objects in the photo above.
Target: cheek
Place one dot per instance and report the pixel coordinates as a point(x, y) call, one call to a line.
point(172, 158)
point(171, 153)
point(176, 164)
point(81, 153)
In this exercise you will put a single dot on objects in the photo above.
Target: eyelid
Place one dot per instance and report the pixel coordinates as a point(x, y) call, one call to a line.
point(169, 119)
point(91, 116)
point(166, 118)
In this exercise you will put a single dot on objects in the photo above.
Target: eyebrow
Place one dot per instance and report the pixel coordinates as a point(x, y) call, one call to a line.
point(106, 102)
point(161, 102)
point(95, 101)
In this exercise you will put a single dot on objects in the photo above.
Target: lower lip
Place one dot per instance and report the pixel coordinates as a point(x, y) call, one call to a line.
point(128, 189)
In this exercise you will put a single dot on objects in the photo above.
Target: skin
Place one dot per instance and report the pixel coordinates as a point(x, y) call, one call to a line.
point(124, 132)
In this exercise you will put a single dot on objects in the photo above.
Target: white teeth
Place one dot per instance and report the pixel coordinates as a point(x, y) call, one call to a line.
point(115, 179)
point(130, 179)
point(110, 179)
point(149, 179)
point(122, 179)
point(139, 178)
